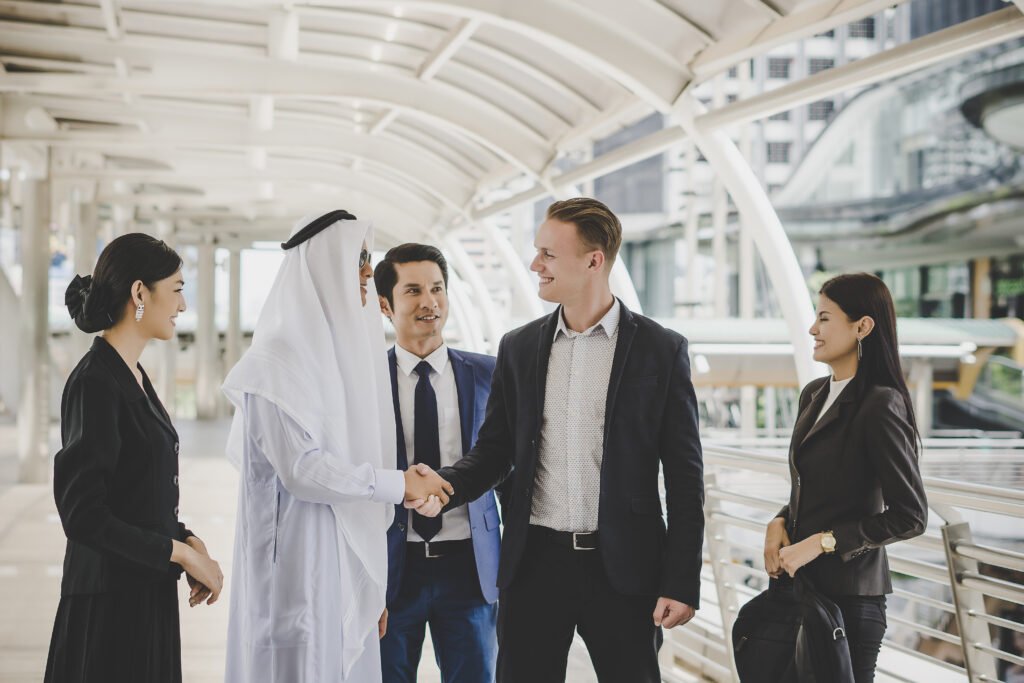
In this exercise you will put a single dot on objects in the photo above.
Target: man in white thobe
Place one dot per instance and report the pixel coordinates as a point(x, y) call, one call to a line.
point(314, 440)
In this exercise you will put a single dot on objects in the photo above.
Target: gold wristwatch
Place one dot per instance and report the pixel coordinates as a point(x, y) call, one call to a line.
point(828, 542)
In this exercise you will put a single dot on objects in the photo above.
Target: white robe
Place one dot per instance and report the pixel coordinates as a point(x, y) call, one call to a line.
point(288, 587)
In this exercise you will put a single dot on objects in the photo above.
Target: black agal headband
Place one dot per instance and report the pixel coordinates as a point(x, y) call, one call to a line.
point(316, 226)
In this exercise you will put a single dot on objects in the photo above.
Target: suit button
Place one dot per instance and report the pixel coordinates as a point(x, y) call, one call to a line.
point(175, 447)
point(175, 480)
point(175, 510)
point(401, 527)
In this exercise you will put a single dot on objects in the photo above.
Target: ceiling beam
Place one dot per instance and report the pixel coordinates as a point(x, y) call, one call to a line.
point(447, 48)
point(111, 11)
point(436, 103)
point(819, 17)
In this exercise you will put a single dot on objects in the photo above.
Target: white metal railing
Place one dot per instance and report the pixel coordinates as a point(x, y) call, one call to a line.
point(953, 586)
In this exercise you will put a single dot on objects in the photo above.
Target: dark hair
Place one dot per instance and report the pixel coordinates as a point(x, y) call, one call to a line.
point(863, 294)
point(595, 223)
point(385, 277)
point(96, 302)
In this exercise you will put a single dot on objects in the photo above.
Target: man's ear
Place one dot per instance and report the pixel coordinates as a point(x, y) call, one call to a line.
point(597, 260)
point(385, 308)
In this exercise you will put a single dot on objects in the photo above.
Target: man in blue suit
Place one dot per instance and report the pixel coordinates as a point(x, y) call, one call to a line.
point(442, 571)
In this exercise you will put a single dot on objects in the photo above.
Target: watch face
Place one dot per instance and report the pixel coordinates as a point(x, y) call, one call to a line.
point(829, 542)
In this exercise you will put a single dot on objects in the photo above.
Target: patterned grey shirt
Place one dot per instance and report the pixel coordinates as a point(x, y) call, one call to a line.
point(568, 480)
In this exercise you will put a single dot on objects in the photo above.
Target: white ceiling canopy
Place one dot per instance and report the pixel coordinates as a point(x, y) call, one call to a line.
point(257, 109)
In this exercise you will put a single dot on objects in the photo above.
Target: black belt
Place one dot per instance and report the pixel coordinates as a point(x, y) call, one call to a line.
point(438, 549)
point(577, 540)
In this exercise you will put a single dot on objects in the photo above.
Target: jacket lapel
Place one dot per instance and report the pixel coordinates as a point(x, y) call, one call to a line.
point(155, 407)
point(465, 387)
point(547, 331)
point(834, 412)
point(626, 333)
point(402, 459)
point(805, 422)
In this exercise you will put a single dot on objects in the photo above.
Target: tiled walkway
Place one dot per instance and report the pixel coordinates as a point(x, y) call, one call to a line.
point(32, 550)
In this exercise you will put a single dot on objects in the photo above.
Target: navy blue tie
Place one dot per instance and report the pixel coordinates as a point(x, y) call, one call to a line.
point(426, 442)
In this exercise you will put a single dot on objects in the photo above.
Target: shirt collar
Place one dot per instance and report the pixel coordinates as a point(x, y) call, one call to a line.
point(609, 324)
point(407, 360)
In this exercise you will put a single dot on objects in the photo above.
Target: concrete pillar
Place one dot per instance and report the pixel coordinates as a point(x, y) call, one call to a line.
point(692, 226)
point(719, 224)
point(86, 234)
point(206, 352)
point(167, 384)
point(233, 346)
point(770, 424)
point(33, 409)
point(922, 385)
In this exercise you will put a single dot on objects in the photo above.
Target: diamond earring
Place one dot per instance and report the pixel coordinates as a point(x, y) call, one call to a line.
point(860, 349)
point(139, 310)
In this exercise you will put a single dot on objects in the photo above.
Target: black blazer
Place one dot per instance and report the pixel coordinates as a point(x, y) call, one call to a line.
point(650, 424)
point(855, 473)
point(116, 478)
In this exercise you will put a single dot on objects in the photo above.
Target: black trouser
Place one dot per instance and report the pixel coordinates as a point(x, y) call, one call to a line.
point(864, 616)
point(557, 591)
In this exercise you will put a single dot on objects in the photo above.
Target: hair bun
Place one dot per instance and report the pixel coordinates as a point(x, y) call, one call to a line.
point(76, 294)
point(77, 297)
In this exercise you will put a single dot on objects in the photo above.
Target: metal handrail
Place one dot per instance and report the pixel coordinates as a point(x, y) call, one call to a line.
point(950, 559)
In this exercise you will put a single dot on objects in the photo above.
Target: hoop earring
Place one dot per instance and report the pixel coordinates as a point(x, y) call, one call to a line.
point(860, 349)
point(139, 310)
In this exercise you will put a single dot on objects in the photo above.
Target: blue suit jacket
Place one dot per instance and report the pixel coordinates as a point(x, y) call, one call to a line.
point(473, 385)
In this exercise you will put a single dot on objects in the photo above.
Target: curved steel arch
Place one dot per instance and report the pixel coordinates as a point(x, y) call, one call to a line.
point(579, 34)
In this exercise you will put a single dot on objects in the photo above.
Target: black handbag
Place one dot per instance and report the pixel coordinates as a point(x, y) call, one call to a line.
point(822, 650)
point(791, 633)
point(764, 635)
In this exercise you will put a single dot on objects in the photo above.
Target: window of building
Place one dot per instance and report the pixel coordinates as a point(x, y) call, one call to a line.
point(820, 64)
point(781, 116)
point(778, 67)
point(778, 152)
point(864, 28)
point(826, 34)
point(731, 98)
point(821, 110)
point(733, 72)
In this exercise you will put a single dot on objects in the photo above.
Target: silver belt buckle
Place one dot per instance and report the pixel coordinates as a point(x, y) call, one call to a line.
point(575, 544)
point(426, 548)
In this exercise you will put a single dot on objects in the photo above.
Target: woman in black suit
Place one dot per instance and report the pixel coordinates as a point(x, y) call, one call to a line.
point(856, 485)
point(115, 482)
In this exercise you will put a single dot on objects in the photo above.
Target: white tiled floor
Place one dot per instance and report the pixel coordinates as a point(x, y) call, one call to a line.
point(32, 550)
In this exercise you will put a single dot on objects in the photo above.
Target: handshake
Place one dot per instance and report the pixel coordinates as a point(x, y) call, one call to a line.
point(426, 491)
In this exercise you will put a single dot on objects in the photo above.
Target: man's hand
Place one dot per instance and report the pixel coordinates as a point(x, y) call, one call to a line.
point(431, 507)
point(382, 624)
point(421, 482)
point(669, 613)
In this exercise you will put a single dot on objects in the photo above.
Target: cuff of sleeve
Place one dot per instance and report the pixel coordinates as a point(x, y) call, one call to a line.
point(389, 486)
point(849, 543)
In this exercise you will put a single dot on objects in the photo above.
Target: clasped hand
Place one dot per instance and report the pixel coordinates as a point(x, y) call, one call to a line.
point(426, 491)
point(780, 556)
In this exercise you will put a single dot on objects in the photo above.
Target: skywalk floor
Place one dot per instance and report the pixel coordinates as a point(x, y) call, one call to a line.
point(32, 552)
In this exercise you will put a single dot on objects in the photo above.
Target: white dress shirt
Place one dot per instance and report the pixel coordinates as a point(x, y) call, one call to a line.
point(455, 523)
point(568, 479)
point(834, 389)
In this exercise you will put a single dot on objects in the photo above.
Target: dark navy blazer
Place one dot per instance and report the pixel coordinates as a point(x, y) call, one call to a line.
point(473, 385)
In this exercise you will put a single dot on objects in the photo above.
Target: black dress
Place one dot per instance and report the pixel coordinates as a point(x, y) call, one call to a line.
point(116, 487)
